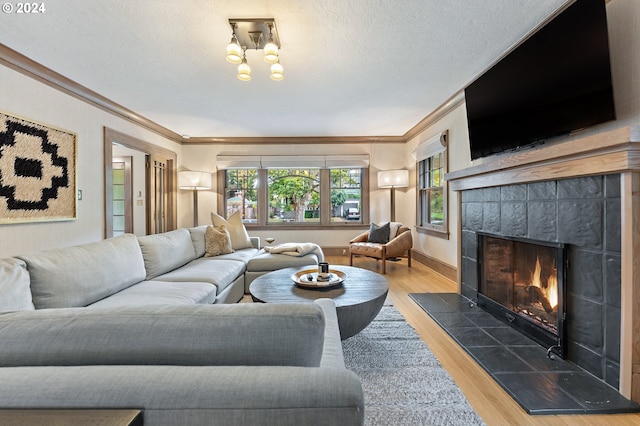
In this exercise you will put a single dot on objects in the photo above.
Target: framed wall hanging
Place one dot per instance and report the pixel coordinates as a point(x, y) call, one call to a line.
point(37, 172)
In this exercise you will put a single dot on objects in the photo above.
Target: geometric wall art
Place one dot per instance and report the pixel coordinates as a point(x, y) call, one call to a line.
point(37, 172)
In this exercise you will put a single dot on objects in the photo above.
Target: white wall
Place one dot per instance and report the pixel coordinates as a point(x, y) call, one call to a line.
point(32, 100)
point(624, 40)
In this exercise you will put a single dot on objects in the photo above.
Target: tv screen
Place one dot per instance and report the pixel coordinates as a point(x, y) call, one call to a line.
point(556, 82)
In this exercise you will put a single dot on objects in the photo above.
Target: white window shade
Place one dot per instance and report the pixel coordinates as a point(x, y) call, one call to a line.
point(347, 161)
point(292, 161)
point(430, 147)
point(225, 162)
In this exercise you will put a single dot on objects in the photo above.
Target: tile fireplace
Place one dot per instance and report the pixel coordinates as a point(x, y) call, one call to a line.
point(522, 282)
point(584, 193)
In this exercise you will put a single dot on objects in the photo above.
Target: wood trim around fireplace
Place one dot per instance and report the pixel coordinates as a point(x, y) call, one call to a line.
point(613, 152)
point(616, 151)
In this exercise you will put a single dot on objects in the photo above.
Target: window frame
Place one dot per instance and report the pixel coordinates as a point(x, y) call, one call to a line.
point(325, 222)
point(424, 155)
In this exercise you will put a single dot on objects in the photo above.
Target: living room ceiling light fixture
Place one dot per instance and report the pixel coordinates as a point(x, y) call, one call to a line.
point(261, 34)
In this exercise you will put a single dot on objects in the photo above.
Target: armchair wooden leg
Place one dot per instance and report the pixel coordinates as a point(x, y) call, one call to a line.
point(409, 257)
point(350, 259)
point(384, 262)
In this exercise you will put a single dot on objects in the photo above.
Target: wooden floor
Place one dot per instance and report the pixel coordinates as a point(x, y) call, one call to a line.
point(492, 403)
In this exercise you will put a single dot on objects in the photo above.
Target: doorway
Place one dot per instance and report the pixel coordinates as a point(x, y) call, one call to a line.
point(160, 209)
point(122, 185)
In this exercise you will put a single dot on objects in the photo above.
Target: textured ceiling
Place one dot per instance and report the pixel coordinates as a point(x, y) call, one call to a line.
point(352, 68)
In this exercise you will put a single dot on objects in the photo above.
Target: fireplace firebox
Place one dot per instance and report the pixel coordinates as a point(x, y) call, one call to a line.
point(522, 282)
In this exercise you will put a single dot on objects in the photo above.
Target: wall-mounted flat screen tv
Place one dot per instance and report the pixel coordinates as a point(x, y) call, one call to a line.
point(556, 82)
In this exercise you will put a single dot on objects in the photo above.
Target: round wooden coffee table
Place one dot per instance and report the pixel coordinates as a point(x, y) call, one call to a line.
point(358, 298)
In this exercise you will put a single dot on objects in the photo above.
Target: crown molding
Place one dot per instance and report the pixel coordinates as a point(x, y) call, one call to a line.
point(24, 65)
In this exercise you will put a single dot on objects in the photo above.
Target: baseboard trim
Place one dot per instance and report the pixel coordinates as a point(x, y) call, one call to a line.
point(438, 266)
point(336, 251)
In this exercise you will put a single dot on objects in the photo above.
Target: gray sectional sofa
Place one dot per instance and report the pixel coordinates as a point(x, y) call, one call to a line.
point(142, 323)
point(240, 364)
point(167, 268)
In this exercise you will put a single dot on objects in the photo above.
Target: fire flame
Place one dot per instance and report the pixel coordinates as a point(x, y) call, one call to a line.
point(552, 284)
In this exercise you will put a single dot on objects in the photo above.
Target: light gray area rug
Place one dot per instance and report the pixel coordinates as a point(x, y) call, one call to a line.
point(403, 382)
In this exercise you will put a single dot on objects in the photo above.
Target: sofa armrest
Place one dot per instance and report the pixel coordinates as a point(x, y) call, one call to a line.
point(332, 355)
point(399, 244)
point(255, 242)
point(239, 334)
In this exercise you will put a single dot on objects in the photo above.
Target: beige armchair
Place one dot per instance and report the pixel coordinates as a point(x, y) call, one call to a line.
point(398, 246)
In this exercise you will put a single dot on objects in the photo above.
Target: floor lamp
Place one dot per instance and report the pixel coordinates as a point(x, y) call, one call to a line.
point(393, 179)
point(195, 181)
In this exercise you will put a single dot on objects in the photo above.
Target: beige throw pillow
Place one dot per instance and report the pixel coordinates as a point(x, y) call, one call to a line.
point(217, 241)
point(239, 237)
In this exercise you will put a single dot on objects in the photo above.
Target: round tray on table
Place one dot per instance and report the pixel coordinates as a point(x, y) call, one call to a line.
point(308, 278)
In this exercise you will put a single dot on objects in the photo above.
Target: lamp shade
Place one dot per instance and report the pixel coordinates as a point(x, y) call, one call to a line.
point(277, 72)
point(194, 180)
point(234, 51)
point(270, 51)
point(393, 179)
point(244, 71)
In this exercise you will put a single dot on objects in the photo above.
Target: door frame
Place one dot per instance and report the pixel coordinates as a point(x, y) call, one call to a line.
point(153, 152)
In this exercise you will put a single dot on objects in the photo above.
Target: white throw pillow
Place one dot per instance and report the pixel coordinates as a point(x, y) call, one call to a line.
point(238, 233)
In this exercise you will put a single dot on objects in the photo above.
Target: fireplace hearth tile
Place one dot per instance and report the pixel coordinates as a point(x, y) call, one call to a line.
point(537, 395)
point(472, 336)
point(597, 395)
point(498, 359)
point(510, 337)
point(540, 385)
point(537, 358)
point(484, 319)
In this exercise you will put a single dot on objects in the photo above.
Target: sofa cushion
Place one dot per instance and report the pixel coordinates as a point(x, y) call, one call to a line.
point(197, 238)
point(160, 293)
point(242, 255)
point(270, 262)
point(213, 270)
point(167, 251)
point(15, 293)
point(217, 241)
point(239, 237)
point(80, 275)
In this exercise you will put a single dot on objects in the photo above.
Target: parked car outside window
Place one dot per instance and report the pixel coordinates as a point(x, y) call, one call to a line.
point(353, 214)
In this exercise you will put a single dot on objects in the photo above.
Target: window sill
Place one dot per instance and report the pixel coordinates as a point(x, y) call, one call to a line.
point(444, 234)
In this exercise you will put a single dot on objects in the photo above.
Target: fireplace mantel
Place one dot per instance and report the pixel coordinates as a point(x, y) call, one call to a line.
point(616, 151)
point(613, 152)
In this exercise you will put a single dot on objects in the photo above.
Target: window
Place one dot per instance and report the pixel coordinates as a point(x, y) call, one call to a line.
point(241, 193)
point(346, 195)
point(271, 194)
point(294, 195)
point(432, 188)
